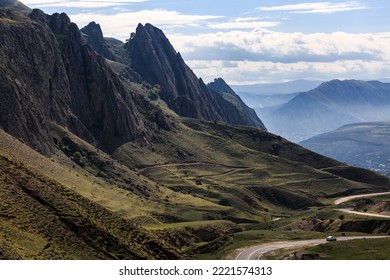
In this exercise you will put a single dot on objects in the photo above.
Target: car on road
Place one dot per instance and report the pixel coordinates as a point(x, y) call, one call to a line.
point(331, 238)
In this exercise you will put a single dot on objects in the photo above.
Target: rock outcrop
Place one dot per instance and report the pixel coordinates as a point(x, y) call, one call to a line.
point(33, 82)
point(94, 36)
point(48, 73)
point(154, 58)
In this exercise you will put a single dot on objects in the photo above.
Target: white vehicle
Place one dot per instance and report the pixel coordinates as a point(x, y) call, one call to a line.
point(331, 238)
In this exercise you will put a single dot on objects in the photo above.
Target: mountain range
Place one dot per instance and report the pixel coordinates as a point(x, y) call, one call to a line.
point(112, 150)
point(151, 55)
point(329, 106)
point(264, 105)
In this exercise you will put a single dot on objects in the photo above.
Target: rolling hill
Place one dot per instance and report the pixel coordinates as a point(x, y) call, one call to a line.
point(362, 144)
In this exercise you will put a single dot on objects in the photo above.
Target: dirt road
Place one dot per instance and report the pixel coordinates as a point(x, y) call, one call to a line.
point(348, 198)
point(351, 211)
point(255, 252)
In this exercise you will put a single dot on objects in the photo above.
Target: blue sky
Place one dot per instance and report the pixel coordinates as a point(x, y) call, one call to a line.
point(249, 41)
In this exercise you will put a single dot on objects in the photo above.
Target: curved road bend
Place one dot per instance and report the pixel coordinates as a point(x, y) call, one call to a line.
point(348, 198)
point(351, 211)
point(256, 252)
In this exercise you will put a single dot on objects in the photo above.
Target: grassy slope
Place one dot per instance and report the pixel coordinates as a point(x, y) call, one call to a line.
point(40, 219)
point(13, 4)
point(218, 162)
point(200, 171)
point(238, 166)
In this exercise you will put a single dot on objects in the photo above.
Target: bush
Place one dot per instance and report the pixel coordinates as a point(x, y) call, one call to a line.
point(77, 157)
point(224, 202)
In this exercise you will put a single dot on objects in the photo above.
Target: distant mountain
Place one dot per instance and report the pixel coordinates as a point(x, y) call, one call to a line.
point(329, 106)
point(269, 97)
point(266, 104)
point(221, 87)
point(366, 145)
point(277, 88)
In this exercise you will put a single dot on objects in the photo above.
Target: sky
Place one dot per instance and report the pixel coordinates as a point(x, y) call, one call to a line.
point(248, 41)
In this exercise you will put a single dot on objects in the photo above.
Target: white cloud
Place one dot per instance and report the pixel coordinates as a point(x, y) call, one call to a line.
point(251, 72)
point(257, 55)
point(263, 44)
point(122, 24)
point(80, 4)
point(244, 23)
point(263, 55)
point(318, 7)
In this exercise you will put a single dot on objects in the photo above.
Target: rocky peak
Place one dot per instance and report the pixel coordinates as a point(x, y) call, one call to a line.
point(93, 28)
point(94, 36)
point(49, 74)
point(228, 94)
point(154, 58)
point(219, 85)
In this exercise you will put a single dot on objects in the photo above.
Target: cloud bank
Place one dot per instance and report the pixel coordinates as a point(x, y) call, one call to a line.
point(262, 55)
point(317, 7)
point(120, 25)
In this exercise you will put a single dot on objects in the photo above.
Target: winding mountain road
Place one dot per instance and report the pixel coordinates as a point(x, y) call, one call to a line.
point(348, 198)
point(351, 211)
point(256, 252)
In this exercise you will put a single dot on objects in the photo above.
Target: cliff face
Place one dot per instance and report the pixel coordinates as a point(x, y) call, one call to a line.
point(49, 74)
point(154, 58)
point(98, 97)
point(33, 81)
point(94, 35)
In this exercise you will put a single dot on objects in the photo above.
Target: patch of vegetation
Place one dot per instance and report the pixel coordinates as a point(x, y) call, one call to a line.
point(154, 93)
point(8, 20)
point(365, 249)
